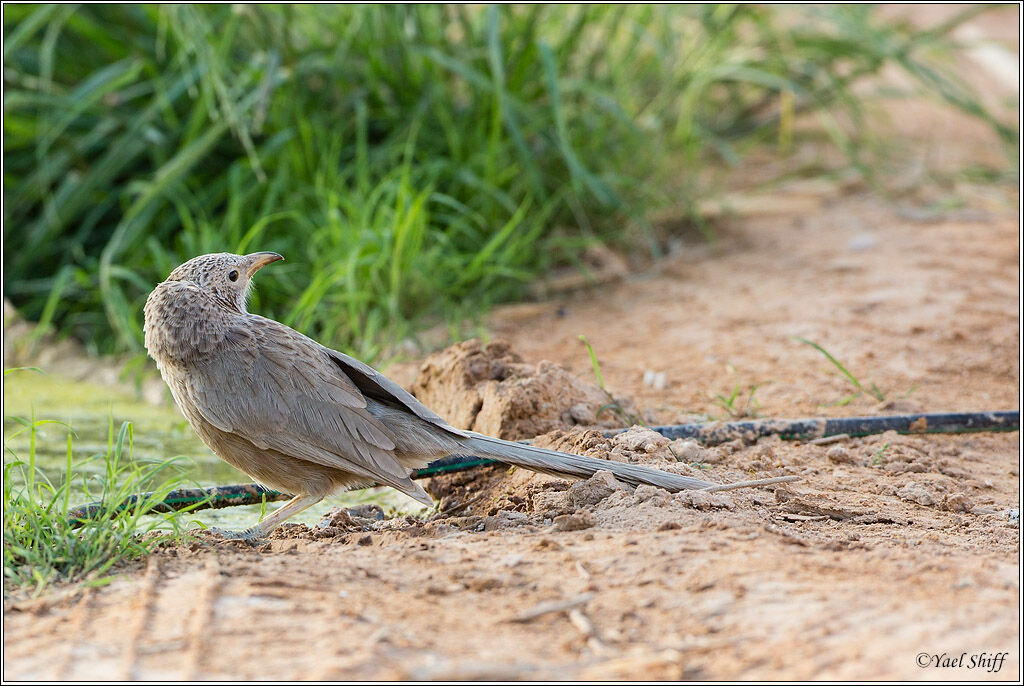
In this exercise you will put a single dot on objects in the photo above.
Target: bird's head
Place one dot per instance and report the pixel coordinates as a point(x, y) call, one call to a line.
point(226, 277)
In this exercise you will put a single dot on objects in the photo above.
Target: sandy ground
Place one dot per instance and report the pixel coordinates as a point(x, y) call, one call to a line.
point(892, 552)
point(890, 546)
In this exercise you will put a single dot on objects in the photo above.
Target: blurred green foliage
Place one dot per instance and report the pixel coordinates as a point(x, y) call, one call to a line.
point(409, 161)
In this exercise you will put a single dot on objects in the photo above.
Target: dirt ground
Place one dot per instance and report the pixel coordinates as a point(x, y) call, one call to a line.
point(890, 552)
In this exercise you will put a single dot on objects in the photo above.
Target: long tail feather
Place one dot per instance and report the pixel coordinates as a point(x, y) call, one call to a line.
point(570, 466)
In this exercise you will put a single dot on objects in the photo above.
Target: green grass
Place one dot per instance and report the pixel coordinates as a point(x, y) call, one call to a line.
point(870, 388)
point(613, 405)
point(732, 407)
point(42, 547)
point(413, 163)
point(879, 455)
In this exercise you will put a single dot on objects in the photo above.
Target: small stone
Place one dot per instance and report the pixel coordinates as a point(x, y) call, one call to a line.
point(548, 501)
point(617, 455)
point(645, 493)
point(839, 454)
point(328, 532)
point(683, 469)
point(574, 522)
point(687, 450)
point(338, 518)
point(916, 493)
point(623, 498)
point(365, 540)
point(582, 413)
point(957, 502)
point(656, 380)
point(640, 439)
point(369, 511)
point(731, 447)
point(704, 501)
point(595, 489)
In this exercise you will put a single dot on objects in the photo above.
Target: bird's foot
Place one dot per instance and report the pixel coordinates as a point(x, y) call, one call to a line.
point(251, 535)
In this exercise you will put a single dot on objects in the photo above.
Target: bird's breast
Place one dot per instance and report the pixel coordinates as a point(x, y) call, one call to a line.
point(184, 326)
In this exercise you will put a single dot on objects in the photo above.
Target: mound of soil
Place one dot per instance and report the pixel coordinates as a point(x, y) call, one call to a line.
point(488, 388)
point(491, 389)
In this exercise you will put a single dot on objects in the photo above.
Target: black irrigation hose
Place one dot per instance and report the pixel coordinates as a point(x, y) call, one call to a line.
point(808, 429)
point(711, 433)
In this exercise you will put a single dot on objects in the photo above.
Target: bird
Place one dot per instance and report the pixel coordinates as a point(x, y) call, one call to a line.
point(306, 420)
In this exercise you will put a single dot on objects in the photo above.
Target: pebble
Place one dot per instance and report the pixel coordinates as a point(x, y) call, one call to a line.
point(645, 493)
point(840, 454)
point(957, 502)
point(595, 489)
point(915, 492)
point(656, 380)
point(547, 501)
point(582, 413)
point(641, 439)
point(688, 450)
point(574, 522)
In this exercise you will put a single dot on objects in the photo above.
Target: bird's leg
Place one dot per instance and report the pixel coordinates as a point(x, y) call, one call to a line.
point(271, 521)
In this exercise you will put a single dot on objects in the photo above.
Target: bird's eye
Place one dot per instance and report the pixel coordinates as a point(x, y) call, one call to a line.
point(233, 275)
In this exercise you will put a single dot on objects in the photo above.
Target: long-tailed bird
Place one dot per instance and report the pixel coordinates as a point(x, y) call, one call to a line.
point(301, 418)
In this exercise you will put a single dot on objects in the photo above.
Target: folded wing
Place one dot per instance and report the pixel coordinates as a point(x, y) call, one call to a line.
point(283, 391)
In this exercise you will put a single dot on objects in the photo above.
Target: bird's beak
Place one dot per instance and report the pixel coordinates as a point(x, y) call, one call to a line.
point(259, 260)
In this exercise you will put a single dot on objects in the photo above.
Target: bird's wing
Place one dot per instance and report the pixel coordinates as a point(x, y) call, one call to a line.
point(281, 390)
point(375, 385)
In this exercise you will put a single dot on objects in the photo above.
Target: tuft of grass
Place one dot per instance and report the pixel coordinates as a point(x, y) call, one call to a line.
point(595, 365)
point(733, 409)
point(879, 455)
point(612, 405)
point(41, 546)
point(871, 389)
point(414, 162)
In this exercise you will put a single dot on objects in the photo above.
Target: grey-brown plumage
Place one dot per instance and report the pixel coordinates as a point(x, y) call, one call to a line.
point(301, 418)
